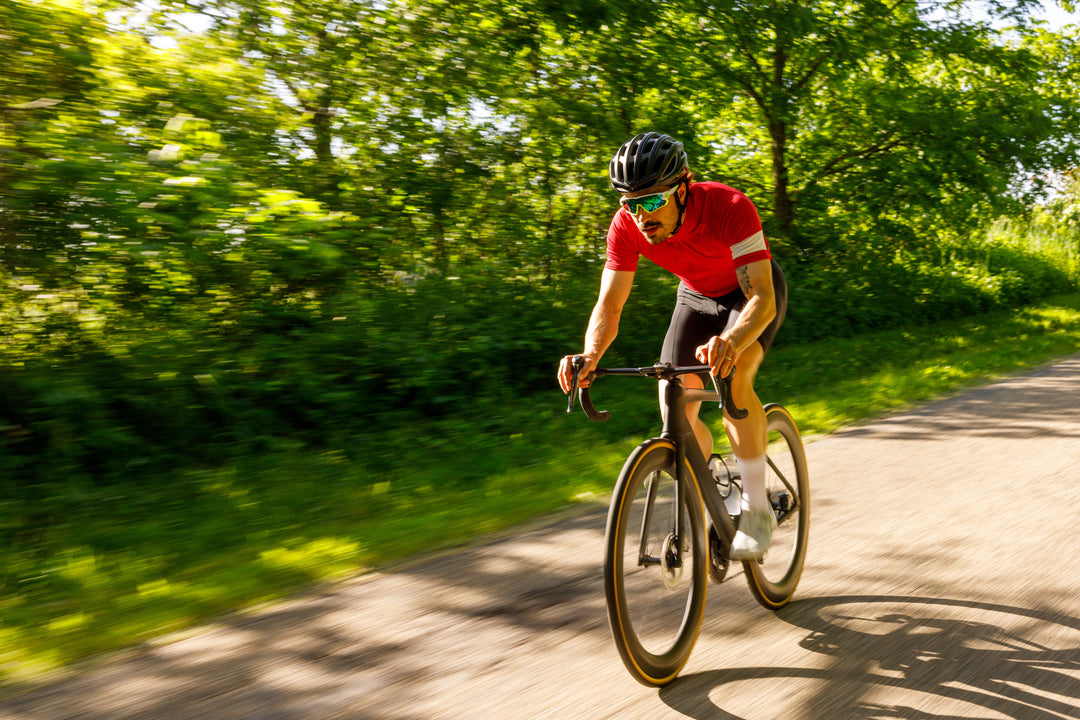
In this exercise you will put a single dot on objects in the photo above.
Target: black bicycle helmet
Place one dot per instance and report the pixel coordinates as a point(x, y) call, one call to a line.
point(649, 159)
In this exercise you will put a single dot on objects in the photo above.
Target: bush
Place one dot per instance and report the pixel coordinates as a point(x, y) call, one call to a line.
point(1008, 265)
point(195, 386)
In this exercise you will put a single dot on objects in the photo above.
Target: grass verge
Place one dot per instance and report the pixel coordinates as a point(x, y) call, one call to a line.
point(115, 566)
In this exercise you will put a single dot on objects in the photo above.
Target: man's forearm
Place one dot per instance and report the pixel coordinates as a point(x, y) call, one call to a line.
point(753, 319)
point(603, 328)
point(755, 280)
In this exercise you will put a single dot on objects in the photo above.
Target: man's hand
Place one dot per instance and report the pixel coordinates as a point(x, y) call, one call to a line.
point(719, 354)
point(566, 372)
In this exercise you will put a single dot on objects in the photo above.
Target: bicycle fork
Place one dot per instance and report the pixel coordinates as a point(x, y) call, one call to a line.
point(671, 544)
point(644, 558)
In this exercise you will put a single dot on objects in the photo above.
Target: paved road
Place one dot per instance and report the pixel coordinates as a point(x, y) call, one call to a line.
point(941, 584)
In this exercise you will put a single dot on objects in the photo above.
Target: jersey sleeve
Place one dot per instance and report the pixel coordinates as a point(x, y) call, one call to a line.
point(747, 239)
point(622, 254)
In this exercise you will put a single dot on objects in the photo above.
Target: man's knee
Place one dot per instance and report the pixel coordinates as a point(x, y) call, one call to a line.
point(742, 382)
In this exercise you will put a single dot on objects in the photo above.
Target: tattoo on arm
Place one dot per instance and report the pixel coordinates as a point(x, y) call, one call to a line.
point(743, 274)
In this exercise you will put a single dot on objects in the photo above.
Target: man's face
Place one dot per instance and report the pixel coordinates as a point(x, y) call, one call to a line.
point(658, 224)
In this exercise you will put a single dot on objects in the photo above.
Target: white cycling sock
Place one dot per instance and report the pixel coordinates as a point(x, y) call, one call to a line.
point(753, 483)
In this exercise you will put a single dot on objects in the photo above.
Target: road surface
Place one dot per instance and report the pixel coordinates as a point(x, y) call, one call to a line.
point(942, 582)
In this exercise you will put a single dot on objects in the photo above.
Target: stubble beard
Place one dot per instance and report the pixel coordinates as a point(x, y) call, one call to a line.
point(658, 238)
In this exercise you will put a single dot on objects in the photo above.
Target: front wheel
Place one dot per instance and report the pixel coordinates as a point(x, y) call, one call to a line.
point(773, 579)
point(656, 567)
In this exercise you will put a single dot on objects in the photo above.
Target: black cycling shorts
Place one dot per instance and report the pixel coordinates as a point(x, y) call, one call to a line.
point(697, 318)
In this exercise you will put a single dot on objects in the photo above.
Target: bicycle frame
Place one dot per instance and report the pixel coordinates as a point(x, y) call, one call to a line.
point(691, 466)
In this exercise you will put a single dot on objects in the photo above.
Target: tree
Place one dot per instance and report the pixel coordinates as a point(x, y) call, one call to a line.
point(868, 105)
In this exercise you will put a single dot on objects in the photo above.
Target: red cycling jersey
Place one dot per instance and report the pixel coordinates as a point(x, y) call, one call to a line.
point(721, 231)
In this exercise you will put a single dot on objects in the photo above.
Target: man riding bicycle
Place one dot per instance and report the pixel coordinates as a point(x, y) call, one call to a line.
point(731, 299)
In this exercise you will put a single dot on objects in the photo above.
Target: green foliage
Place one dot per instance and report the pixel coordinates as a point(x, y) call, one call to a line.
point(410, 226)
point(862, 287)
point(303, 223)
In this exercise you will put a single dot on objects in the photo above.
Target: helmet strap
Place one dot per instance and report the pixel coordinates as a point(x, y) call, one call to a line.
point(681, 206)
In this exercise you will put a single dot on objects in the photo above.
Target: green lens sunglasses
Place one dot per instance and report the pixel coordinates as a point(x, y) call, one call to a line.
point(648, 203)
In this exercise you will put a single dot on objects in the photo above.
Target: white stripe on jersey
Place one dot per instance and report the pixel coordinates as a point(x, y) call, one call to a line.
point(754, 243)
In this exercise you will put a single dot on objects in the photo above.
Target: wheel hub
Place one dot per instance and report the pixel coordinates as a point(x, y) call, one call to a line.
point(671, 562)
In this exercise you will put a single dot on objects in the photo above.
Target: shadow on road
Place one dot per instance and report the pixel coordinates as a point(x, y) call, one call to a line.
point(940, 659)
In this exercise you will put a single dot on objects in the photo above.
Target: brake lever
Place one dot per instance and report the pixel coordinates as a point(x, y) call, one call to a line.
point(727, 401)
point(575, 365)
point(583, 395)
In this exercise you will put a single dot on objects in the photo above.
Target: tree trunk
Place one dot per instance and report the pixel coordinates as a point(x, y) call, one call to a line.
point(783, 207)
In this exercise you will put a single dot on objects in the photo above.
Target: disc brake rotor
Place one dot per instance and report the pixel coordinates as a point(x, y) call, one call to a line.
point(671, 562)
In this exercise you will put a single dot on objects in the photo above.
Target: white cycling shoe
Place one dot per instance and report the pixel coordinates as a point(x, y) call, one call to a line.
point(754, 534)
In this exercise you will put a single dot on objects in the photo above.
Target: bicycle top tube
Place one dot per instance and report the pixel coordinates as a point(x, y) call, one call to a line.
point(662, 371)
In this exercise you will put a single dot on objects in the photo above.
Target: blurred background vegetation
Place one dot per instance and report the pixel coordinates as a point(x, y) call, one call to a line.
point(268, 261)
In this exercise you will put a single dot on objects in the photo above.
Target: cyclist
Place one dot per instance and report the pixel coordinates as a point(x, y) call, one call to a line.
point(731, 299)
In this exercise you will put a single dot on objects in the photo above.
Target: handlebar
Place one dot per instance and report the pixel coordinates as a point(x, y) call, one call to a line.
point(664, 371)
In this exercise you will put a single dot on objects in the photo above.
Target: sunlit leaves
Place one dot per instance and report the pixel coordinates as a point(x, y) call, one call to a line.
point(874, 106)
point(445, 139)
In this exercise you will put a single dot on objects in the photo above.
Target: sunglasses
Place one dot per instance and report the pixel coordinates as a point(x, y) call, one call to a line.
point(648, 203)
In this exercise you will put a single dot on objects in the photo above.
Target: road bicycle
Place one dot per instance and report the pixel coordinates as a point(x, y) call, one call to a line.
point(673, 516)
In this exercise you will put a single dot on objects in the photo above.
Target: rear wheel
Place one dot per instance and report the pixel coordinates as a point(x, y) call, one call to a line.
point(656, 567)
point(773, 579)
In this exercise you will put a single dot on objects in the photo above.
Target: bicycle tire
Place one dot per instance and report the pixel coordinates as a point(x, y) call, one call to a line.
point(655, 610)
point(773, 579)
